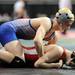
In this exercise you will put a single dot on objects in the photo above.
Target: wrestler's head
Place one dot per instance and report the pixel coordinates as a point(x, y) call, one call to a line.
point(72, 62)
point(73, 54)
point(65, 17)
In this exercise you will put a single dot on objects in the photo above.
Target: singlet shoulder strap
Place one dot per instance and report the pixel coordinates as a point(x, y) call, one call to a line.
point(51, 24)
point(31, 25)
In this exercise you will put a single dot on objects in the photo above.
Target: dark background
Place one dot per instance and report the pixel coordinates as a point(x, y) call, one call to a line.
point(34, 9)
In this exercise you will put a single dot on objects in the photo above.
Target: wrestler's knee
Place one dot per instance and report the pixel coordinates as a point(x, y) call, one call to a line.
point(14, 47)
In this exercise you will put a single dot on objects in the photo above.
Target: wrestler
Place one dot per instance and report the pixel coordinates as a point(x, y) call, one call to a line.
point(55, 57)
point(37, 29)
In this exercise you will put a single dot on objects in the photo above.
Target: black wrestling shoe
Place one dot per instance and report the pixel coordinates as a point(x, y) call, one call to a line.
point(17, 63)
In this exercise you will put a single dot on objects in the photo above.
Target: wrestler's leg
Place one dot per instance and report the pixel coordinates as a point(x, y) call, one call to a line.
point(8, 59)
point(5, 55)
point(10, 42)
point(15, 48)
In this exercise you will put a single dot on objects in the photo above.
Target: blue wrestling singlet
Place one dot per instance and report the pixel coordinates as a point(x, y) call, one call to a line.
point(17, 29)
point(24, 29)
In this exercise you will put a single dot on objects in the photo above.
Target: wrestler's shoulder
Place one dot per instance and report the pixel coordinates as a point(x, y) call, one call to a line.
point(42, 18)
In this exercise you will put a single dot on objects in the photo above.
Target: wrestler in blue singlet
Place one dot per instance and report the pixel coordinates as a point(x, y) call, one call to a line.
point(18, 29)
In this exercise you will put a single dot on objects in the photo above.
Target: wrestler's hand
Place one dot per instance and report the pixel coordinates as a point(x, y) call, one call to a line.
point(71, 63)
point(60, 63)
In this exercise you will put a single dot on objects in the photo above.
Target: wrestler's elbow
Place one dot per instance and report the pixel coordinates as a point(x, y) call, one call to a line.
point(59, 65)
point(37, 40)
point(37, 64)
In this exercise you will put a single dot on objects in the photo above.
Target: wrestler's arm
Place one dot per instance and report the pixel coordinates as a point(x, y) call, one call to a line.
point(52, 41)
point(45, 25)
point(51, 65)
